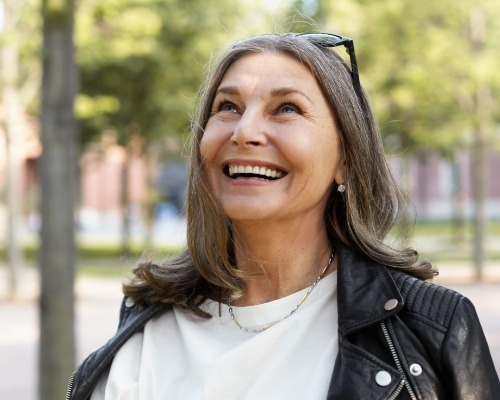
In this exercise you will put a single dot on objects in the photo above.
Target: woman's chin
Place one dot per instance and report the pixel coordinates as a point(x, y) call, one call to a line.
point(250, 214)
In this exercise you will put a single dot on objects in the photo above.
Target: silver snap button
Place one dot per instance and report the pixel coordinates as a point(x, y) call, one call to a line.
point(415, 369)
point(390, 304)
point(383, 378)
point(129, 302)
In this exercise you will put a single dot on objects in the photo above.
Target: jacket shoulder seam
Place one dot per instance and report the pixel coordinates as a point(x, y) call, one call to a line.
point(426, 300)
point(426, 321)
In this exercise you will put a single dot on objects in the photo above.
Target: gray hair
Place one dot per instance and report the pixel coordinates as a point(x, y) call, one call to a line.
point(360, 217)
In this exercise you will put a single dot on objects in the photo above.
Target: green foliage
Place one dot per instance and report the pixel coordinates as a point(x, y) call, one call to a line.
point(142, 62)
point(57, 13)
point(25, 18)
point(423, 65)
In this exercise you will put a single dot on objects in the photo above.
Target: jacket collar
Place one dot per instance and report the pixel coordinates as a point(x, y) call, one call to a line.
point(364, 288)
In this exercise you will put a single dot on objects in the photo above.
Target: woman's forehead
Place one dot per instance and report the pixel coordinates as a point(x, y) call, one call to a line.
point(278, 67)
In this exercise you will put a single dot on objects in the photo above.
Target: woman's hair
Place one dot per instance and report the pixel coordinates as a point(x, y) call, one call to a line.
point(360, 218)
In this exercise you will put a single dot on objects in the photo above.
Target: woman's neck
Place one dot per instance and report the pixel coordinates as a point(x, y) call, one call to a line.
point(280, 259)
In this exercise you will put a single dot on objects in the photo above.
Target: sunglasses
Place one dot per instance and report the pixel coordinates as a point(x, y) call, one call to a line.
point(333, 40)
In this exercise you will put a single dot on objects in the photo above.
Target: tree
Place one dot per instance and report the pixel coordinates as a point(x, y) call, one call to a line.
point(12, 113)
point(432, 69)
point(438, 71)
point(58, 193)
point(483, 128)
point(141, 65)
point(19, 86)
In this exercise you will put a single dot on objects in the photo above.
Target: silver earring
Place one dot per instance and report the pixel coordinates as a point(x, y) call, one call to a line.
point(341, 188)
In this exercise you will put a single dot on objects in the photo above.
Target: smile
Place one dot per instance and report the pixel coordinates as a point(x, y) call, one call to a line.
point(248, 171)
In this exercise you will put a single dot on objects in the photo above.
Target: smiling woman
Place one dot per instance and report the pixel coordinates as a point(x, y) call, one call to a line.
point(266, 121)
point(287, 289)
point(242, 171)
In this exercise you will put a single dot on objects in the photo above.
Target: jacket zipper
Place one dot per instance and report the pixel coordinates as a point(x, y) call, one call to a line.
point(70, 386)
point(404, 382)
point(398, 390)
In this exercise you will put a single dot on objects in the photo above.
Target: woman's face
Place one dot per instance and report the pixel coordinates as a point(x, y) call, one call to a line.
point(270, 147)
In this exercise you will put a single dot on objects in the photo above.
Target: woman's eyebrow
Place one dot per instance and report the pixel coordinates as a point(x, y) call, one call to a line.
point(285, 91)
point(277, 92)
point(227, 90)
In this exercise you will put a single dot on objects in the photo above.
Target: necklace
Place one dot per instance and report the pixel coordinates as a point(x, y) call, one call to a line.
point(301, 301)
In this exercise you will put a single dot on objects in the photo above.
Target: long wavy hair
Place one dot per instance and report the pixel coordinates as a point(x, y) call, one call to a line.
point(360, 218)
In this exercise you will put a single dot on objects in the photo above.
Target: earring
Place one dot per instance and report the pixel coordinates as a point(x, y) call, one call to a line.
point(341, 188)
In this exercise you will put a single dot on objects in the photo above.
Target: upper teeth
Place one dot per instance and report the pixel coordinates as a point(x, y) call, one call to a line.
point(247, 169)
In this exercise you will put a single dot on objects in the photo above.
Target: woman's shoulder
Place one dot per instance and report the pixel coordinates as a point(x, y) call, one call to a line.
point(427, 299)
point(136, 315)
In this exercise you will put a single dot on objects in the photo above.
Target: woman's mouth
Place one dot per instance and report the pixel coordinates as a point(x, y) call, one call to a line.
point(248, 171)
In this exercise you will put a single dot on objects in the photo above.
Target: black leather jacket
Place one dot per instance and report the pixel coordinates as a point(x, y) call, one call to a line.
point(399, 338)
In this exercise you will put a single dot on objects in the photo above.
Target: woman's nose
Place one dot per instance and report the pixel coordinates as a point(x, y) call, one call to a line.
point(250, 130)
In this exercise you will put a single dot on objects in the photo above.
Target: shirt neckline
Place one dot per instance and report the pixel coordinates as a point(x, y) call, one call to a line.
point(260, 315)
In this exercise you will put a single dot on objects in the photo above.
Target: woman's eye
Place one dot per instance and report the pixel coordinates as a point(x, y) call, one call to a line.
point(288, 108)
point(228, 107)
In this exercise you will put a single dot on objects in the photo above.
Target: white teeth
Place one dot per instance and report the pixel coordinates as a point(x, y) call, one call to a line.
point(247, 169)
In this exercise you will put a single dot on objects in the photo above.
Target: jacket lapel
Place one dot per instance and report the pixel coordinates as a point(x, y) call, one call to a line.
point(364, 287)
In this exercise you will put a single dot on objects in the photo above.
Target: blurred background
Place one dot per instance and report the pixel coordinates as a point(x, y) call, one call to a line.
point(95, 105)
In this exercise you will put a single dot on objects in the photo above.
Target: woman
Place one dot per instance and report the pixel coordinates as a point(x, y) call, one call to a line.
point(287, 289)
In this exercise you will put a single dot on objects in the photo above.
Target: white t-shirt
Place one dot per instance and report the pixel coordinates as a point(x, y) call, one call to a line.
point(184, 357)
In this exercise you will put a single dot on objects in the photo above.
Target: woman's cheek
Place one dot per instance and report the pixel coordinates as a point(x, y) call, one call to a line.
point(208, 160)
point(211, 141)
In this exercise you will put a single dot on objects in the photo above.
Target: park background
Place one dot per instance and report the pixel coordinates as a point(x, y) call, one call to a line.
point(95, 103)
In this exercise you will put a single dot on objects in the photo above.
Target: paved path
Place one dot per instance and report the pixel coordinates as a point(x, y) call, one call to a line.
point(97, 317)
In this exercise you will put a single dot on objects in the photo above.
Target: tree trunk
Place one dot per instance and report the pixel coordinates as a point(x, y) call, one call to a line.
point(484, 113)
point(479, 206)
point(405, 219)
point(458, 218)
point(125, 206)
point(58, 176)
point(480, 178)
point(12, 118)
point(14, 255)
point(151, 160)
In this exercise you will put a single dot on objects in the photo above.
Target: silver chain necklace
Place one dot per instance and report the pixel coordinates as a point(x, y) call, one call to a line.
point(301, 301)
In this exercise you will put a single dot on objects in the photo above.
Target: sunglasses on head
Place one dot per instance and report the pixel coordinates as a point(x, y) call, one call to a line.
point(333, 40)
